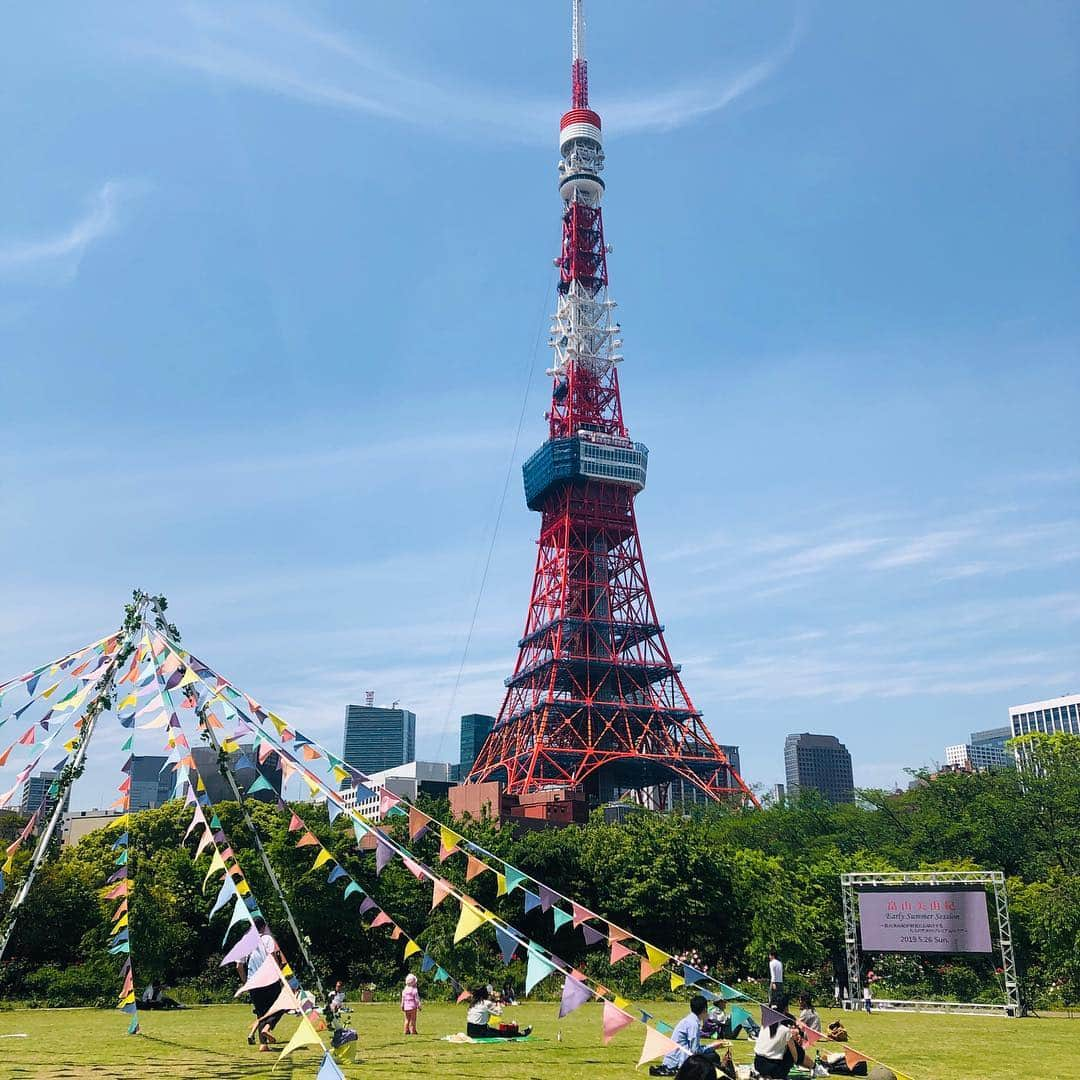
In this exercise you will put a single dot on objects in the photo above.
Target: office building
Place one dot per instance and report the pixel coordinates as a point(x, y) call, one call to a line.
point(986, 750)
point(151, 781)
point(1055, 714)
point(83, 822)
point(377, 739)
point(407, 780)
point(475, 728)
point(40, 788)
point(818, 763)
point(245, 769)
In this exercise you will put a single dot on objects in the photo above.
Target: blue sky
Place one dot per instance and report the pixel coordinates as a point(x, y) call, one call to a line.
point(273, 279)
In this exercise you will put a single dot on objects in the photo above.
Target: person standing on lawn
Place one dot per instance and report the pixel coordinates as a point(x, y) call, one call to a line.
point(262, 997)
point(776, 978)
point(410, 1004)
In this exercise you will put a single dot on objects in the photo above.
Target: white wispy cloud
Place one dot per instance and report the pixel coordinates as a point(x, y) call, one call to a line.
point(58, 255)
point(275, 50)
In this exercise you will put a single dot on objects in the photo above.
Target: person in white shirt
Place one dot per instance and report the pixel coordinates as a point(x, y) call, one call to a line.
point(867, 998)
point(777, 1049)
point(262, 997)
point(480, 1012)
point(776, 978)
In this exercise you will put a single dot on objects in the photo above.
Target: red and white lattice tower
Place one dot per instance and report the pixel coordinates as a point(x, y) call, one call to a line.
point(595, 702)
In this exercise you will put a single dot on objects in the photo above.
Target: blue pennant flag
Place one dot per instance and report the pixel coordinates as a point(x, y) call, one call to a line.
point(426, 964)
point(507, 944)
point(332, 809)
point(692, 975)
point(337, 874)
point(531, 900)
point(121, 840)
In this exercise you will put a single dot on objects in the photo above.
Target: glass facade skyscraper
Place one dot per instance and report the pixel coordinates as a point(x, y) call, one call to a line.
point(378, 738)
point(818, 763)
point(151, 782)
point(475, 728)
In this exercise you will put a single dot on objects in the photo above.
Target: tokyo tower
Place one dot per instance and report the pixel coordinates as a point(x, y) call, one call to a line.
point(595, 702)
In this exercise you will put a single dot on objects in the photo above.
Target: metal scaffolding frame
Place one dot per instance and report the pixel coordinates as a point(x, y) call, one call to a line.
point(850, 884)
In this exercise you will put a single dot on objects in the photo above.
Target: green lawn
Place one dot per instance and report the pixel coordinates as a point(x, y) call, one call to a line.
point(209, 1043)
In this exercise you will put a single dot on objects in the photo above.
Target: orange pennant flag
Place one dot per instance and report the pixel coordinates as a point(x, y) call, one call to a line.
point(417, 820)
point(853, 1057)
point(648, 969)
point(308, 840)
point(475, 868)
point(619, 952)
point(439, 892)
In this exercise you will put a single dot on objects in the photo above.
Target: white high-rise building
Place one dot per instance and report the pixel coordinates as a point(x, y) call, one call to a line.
point(1055, 714)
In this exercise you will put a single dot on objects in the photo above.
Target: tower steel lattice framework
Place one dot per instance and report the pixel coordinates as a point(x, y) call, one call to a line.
point(595, 701)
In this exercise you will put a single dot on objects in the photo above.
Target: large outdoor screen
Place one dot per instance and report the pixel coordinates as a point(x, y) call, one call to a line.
point(924, 920)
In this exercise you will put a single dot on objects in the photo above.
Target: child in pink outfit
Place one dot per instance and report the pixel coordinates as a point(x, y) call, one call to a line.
point(410, 1004)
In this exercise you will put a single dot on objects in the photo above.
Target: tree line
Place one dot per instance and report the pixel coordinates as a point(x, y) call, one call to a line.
point(722, 884)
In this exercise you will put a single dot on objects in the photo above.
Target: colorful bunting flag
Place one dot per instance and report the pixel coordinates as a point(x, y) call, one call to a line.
point(614, 1021)
point(574, 995)
point(657, 1044)
point(469, 920)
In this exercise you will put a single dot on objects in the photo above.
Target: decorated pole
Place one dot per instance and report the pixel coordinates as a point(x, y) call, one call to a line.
point(226, 771)
point(133, 615)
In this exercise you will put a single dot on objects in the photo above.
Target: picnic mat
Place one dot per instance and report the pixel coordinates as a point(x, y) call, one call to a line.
point(461, 1037)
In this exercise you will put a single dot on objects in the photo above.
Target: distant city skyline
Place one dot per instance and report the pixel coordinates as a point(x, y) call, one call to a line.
point(258, 265)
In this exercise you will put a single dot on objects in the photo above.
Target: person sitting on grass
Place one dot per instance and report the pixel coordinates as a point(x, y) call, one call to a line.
point(777, 1049)
point(476, 1020)
point(808, 1017)
point(698, 1067)
point(154, 998)
point(687, 1039)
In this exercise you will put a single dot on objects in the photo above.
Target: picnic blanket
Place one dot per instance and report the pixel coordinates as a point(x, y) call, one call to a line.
point(461, 1037)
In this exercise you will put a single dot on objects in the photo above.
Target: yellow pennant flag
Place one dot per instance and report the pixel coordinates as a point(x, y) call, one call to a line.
point(242, 887)
point(188, 679)
point(119, 924)
point(410, 948)
point(49, 692)
point(229, 746)
point(676, 981)
point(127, 999)
point(339, 773)
point(216, 863)
point(277, 722)
point(123, 819)
point(621, 1003)
point(657, 957)
point(449, 838)
point(469, 920)
point(130, 700)
point(323, 857)
point(501, 888)
point(305, 1035)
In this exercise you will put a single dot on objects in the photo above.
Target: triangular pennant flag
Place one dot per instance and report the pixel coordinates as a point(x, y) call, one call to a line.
point(351, 888)
point(664, 1028)
point(337, 874)
point(305, 1035)
point(426, 962)
point(410, 948)
point(322, 859)
point(514, 877)
point(240, 911)
point(614, 1021)
point(228, 890)
point(414, 868)
point(730, 993)
point(333, 810)
point(474, 867)
point(647, 969)
point(561, 917)
point(691, 975)
point(382, 919)
point(547, 897)
point(266, 974)
point(465, 995)
point(853, 1057)
point(656, 1045)
point(619, 952)
point(507, 944)
point(580, 914)
point(532, 901)
point(260, 783)
point(216, 863)
point(574, 995)
point(295, 823)
point(286, 1001)
point(329, 1070)
point(676, 981)
point(243, 948)
point(309, 839)
point(656, 956)
point(418, 822)
point(383, 854)
point(469, 920)
point(538, 969)
point(592, 936)
point(439, 891)
point(771, 1016)
point(810, 1036)
point(739, 1016)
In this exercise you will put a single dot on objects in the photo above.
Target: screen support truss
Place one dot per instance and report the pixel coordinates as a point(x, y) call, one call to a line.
point(989, 879)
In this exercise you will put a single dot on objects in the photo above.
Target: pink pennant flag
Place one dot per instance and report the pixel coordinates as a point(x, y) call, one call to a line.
point(465, 995)
point(286, 1001)
point(381, 920)
point(295, 823)
point(439, 892)
point(615, 934)
point(614, 1021)
point(266, 974)
point(27, 739)
point(118, 890)
point(387, 800)
point(265, 750)
point(204, 843)
point(6, 797)
point(656, 1045)
point(580, 914)
point(648, 969)
point(242, 949)
point(853, 1057)
point(619, 952)
point(414, 868)
point(809, 1034)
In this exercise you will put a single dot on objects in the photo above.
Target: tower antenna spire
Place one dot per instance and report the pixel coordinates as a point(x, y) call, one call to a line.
point(579, 72)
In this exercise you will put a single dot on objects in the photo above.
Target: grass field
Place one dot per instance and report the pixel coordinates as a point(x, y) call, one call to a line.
point(209, 1043)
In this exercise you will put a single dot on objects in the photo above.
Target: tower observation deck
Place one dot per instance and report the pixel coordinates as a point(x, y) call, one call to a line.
point(595, 701)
